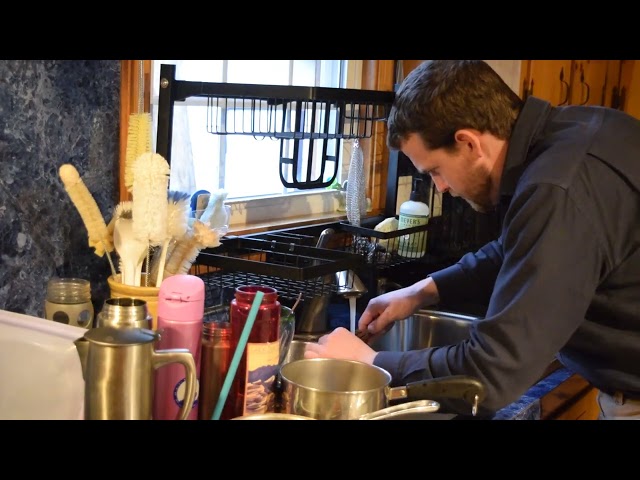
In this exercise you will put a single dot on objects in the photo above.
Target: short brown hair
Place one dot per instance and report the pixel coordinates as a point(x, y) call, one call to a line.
point(440, 97)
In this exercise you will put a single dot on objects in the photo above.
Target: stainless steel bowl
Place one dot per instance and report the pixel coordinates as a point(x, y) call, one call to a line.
point(296, 350)
point(426, 328)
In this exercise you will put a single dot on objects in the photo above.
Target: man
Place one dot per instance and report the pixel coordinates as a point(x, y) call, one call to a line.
point(563, 279)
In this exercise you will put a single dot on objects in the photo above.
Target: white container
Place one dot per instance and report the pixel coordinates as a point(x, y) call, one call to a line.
point(413, 213)
point(40, 369)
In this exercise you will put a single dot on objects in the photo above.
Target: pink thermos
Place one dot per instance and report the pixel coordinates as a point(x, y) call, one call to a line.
point(180, 319)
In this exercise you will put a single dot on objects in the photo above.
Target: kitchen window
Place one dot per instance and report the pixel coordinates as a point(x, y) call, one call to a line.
point(247, 167)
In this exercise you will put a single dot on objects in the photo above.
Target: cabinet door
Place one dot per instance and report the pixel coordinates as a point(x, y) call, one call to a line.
point(550, 80)
point(592, 81)
point(630, 87)
point(614, 72)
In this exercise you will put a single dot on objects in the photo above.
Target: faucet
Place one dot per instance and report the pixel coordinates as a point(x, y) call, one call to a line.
point(315, 316)
point(349, 284)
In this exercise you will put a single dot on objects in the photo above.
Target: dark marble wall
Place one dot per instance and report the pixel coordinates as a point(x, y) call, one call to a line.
point(54, 112)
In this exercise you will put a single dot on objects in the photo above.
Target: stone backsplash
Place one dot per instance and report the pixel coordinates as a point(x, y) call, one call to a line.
point(54, 112)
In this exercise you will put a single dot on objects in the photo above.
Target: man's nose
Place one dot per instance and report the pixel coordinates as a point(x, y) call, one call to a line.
point(440, 184)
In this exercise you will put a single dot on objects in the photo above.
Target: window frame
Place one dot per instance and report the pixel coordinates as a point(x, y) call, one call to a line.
point(376, 75)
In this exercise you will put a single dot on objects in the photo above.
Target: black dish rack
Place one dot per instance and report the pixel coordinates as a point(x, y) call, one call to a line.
point(295, 270)
point(383, 249)
point(298, 117)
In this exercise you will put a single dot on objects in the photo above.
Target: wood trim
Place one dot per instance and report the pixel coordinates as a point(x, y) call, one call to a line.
point(377, 75)
point(525, 74)
point(129, 88)
point(571, 400)
point(408, 65)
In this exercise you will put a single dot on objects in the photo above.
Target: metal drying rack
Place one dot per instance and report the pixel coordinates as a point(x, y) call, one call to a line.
point(298, 117)
point(291, 114)
point(294, 269)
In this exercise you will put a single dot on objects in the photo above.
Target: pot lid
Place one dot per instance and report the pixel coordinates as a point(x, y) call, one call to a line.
point(120, 336)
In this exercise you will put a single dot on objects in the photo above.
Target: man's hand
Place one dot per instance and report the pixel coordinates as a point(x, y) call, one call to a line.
point(397, 305)
point(341, 344)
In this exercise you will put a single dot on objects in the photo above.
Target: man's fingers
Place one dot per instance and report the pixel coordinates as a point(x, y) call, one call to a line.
point(312, 350)
point(310, 354)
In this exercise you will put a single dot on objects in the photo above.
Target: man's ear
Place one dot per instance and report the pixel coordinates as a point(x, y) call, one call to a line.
point(468, 141)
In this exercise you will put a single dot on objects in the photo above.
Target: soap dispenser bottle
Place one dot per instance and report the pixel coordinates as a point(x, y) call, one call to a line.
point(413, 213)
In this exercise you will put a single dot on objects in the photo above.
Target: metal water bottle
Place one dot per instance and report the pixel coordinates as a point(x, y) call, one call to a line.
point(180, 319)
point(252, 389)
point(214, 365)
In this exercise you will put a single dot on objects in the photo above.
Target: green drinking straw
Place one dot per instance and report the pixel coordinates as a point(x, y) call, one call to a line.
point(237, 355)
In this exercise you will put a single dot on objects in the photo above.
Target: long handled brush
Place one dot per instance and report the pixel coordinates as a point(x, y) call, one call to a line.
point(188, 247)
point(149, 204)
point(99, 237)
point(177, 225)
point(138, 133)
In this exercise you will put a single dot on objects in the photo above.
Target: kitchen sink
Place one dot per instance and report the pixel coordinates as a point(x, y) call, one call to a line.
point(40, 369)
point(425, 328)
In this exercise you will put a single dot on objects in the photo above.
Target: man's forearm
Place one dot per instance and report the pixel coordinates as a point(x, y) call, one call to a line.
point(426, 291)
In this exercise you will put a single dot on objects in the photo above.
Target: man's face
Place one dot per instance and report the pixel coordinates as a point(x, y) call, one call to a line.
point(458, 172)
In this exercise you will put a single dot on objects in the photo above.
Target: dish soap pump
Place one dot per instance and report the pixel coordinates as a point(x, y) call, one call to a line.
point(413, 213)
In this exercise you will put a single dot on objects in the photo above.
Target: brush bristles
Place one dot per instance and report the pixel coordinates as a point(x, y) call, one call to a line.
point(177, 218)
point(138, 142)
point(98, 234)
point(150, 187)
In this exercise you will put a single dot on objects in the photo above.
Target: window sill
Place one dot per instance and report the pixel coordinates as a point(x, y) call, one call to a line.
point(287, 223)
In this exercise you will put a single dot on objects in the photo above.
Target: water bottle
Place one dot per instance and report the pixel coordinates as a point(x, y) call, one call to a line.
point(252, 390)
point(215, 360)
point(180, 321)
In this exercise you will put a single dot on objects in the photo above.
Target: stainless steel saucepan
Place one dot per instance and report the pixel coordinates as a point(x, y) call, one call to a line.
point(333, 389)
point(389, 413)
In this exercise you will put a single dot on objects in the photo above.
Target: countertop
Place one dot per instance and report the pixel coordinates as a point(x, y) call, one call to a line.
point(527, 407)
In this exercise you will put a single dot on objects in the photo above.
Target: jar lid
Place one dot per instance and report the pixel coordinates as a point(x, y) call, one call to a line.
point(68, 290)
point(120, 336)
point(216, 328)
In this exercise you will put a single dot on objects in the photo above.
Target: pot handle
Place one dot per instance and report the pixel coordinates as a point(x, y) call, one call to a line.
point(465, 387)
point(183, 356)
point(389, 413)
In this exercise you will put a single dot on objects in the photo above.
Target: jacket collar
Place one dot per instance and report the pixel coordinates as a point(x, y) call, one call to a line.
point(528, 126)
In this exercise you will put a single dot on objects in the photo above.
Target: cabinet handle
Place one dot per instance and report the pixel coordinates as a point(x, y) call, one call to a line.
point(583, 84)
point(615, 97)
point(562, 81)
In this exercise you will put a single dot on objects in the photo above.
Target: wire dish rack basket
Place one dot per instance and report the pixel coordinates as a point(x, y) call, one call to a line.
point(385, 249)
point(295, 270)
point(293, 112)
point(311, 120)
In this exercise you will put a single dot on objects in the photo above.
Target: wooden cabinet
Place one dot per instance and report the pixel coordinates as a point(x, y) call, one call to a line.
point(573, 399)
point(572, 82)
point(630, 87)
point(546, 79)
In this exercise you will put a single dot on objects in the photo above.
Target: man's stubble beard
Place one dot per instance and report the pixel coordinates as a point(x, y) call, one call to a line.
point(480, 200)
